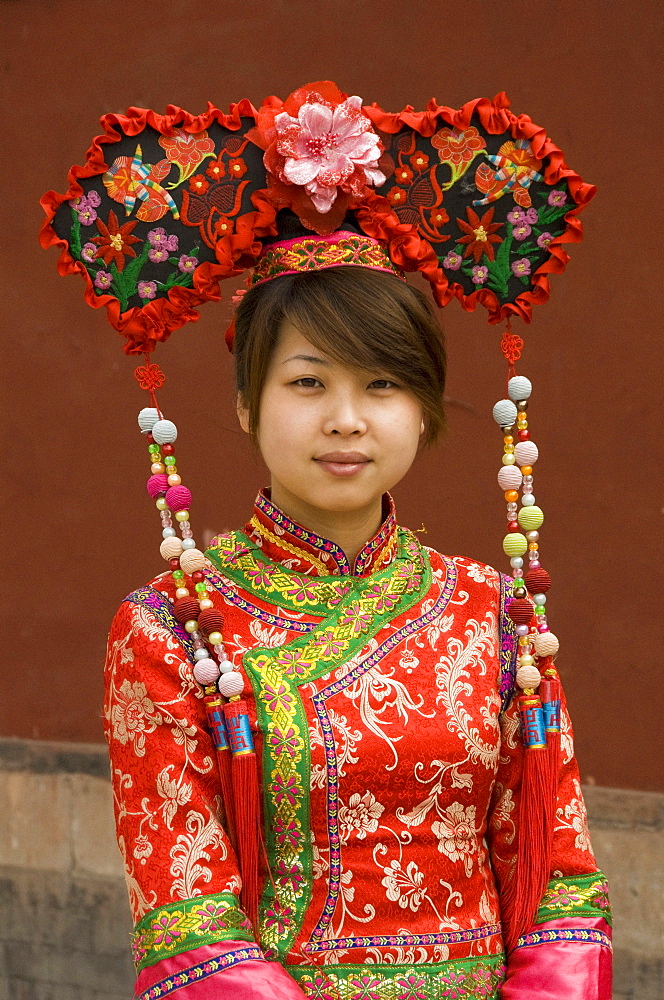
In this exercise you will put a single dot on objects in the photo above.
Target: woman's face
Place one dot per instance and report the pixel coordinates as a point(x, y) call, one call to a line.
point(334, 438)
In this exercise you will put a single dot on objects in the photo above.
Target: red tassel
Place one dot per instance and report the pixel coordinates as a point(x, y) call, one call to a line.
point(246, 804)
point(215, 712)
point(535, 827)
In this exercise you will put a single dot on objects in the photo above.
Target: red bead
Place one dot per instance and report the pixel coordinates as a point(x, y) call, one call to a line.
point(149, 438)
point(512, 525)
point(521, 611)
point(167, 449)
point(523, 436)
point(538, 581)
point(198, 576)
point(186, 609)
point(210, 620)
point(173, 564)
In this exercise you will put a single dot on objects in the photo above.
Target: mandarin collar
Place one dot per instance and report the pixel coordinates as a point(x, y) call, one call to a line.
point(284, 540)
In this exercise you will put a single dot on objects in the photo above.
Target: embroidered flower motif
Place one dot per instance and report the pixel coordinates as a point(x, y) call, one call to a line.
point(212, 917)
point(457, 148)
point(287, 833)
point(381, 598)
point(531, 216)
point(327, 148)
point(261, 576)
point(403, 175)
point(216, 170)
point(175, 793)
point(279, 917)
point(480, 274)
point(187, 264)
point(84, 206)
point(516, 216)
point(133, 714)
point(329, 645)
point(456, 834)
point(158, 255)
point(562, 896)
point(521, 267)
point(225, 227)
point(365, 987)
point(289, 874)
point(411, 987)
point(129, 179)
point(114, 241)
point(199, 184)
point(601, 900)
point(318, 988)
point(483, 982)
point(521, 230)
point(103, 279)
point(237, 167)
point(557, 198)
point(544, 240)
point(303, 591)
point(89, 252)
point(419, 161)
point(286, 742)
point(285, 789)
point(186, 150)
point(397, 196)
point(404, 887)
point(361, 814)
point(277, 698)
point(480, 234)
point(147, 289)
point(166, 929)
point(142, 849)
point(452, 261)
point(453, 985)
point(358, 619)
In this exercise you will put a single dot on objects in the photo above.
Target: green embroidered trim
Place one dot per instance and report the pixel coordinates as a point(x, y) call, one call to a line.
point(354, 610)
point(463, 979)
point(581, 895)
point(177, 927)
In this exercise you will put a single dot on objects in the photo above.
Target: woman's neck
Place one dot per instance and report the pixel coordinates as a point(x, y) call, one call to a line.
point(349, 529)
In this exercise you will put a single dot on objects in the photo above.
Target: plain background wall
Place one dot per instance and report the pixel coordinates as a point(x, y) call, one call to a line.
point(79, 529)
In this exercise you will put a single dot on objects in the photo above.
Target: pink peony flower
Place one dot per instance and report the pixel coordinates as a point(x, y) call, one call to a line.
point(327, 148)
point(453, 261)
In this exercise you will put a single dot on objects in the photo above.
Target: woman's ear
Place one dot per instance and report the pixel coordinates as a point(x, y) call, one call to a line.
point(242, 413)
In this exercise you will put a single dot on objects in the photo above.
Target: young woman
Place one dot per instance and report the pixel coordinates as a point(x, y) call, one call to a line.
point(378, 676)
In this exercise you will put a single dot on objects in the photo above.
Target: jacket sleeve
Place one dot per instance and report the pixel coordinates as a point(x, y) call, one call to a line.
point(567, 951)
point(182, 875)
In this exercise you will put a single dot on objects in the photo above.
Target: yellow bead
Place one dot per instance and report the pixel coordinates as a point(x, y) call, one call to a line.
point(509, 449)
point(525, 660)
point(215, 638)
point(514, 544)
point(191, 626)
point(508, 460)
point(182, 592)
point(174, 480)
point(156, 468)
point(160, 504)
point(182, 515)
point(205, 603)
point(531, 518)
point(522, 424)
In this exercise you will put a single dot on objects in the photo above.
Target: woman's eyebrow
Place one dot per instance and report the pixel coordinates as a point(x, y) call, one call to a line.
point(306, 357)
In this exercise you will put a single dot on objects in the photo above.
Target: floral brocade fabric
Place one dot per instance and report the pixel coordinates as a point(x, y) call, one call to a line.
point(390, 759)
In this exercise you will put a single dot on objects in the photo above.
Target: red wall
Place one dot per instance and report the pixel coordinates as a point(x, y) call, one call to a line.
point(79, 530)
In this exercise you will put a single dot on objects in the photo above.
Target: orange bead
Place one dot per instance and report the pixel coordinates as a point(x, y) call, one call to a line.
point(526, 470)
point(511, 496)
point(533, 546)
point(508, 439)
point(522, 415)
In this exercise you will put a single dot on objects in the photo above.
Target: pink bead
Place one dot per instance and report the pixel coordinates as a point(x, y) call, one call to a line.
point(178, 498)
point(230, 684)
point(157, 485)
point(509, 477)
point(526, 453)
point(535, 564)
point(206, 671)
point(522, 630)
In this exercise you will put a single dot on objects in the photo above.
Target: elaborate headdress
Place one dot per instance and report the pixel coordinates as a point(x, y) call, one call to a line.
point(479, 200)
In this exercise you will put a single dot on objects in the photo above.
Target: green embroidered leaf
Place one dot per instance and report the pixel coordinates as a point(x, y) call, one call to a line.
point(181, 278)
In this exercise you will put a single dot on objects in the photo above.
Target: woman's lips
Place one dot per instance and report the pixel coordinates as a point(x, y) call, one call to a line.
point(343, 463)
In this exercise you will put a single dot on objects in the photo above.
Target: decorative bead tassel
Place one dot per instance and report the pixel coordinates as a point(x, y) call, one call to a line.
point(214, 707)
point(246, 804)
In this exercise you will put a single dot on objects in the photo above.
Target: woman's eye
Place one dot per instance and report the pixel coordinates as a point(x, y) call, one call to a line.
point(383, 383)
point(308, 382)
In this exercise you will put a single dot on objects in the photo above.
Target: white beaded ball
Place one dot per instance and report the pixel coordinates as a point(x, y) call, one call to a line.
point(191, 560)
point(164, 432)
point(509, 477)
point(546, 644)
point(528, 677)
point(504, 412)
point(147, 418)
point(206, 671)
point(526, 453)
point(519, 387)
point(170, 548)
point(230, 684)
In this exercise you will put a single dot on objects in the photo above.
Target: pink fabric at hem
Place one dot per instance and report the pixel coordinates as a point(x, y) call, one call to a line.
point(575, 970)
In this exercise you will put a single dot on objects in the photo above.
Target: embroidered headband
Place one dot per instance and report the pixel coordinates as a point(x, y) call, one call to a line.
point(479, 200)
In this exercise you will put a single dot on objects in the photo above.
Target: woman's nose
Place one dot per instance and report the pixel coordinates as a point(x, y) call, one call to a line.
point(345, 416)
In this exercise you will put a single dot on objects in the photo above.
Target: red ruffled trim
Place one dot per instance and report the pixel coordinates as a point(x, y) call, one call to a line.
point(144, 326)
point(404, 242)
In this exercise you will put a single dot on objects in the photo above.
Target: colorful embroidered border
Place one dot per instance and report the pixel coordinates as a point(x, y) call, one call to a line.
point(463, 979)
point(319, 702)
point(198, 973)
point(340, 249)
point(256, 612)
point(160, 607)
point(368, 605)
point(405, 940)
point(508, 644)
point(178, 927)
point(579, 935)
point(311, 538)
point(576, 895)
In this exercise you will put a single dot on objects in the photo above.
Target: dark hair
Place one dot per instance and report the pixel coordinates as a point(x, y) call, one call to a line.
point(356, 316)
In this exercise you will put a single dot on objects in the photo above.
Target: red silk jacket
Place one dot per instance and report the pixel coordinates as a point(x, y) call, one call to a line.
point(390, 752)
